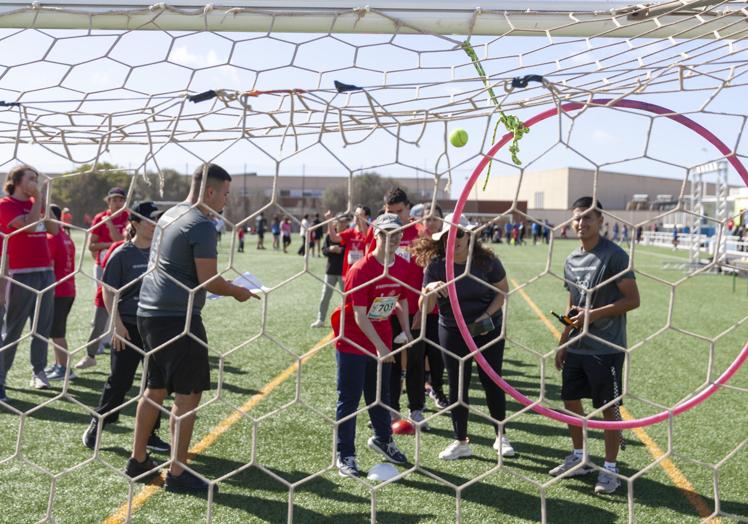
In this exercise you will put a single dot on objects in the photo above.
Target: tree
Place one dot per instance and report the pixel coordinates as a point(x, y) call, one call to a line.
point(367, 188)
point(84, 191)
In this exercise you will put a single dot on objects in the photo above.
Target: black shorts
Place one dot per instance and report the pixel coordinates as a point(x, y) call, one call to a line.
point(181, 366)
point(63, 305)
point(592, 376)
point(286, 240)
point(260, 234)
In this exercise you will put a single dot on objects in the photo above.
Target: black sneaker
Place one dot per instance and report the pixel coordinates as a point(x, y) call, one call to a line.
point(89, 436)
point(389, 449)
point(3, 396)
point(187, 483)
point(156, 444)
point(136, 469)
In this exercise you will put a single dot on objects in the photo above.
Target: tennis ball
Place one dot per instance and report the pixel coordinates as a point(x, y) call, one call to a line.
point(458, 137)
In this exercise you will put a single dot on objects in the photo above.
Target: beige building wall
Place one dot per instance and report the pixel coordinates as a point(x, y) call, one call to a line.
point(557, 189)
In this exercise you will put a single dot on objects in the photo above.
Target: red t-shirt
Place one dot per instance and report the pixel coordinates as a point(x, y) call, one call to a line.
point(62, 251)
point(101, 230)
point(353, 241)
point(379, 298)
point(99, 297)
point(27, 250)
point(414, 273)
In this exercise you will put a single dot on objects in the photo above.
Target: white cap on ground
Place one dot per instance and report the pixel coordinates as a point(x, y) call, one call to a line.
point(382, 472)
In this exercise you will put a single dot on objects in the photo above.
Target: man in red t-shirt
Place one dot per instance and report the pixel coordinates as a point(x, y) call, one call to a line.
point(107, 228)
point(62, 252)
point(352, 239)
point(364, 333)
point(412, 362)
point(25, 230)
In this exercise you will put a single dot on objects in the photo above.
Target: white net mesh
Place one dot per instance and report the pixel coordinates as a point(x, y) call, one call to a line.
point(657, 92)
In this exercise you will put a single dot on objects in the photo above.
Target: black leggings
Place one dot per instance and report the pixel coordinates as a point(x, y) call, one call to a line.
point(415, 379)
point(124, 364)
point(451, 339)
point(434, 354)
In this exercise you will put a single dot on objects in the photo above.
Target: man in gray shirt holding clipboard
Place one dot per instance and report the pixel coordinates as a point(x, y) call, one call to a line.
point(183, 256)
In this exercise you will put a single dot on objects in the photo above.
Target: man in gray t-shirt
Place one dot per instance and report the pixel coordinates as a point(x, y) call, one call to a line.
point(183, 257)
point(593, 368)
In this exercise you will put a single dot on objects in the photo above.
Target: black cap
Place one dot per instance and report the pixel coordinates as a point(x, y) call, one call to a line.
point(116, 192)
point(145, 209)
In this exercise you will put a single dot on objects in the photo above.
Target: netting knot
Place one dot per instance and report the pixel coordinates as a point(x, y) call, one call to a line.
point(361, 12)
point(35, 5)
point(207, 9)
point(157, 7)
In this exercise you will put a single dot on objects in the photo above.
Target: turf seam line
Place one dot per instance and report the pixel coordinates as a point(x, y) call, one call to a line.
point(122, 515)
point(676, 475)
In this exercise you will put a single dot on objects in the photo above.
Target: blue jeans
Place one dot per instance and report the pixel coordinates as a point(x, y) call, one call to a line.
point(357, 374)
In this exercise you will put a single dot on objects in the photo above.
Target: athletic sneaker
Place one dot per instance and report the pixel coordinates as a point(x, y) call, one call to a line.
point(39, 380)
point(570, 462)
point(51, 368)
point(347, 467)
point(416, 415)
point(135, 469)
point(389, 449)
point(439, 398)
point(156, 444)
point(456, 450)
point(318, 324)
point(89, 436)
point(86, 362)
point(187, 482)
point(607, 482)
point(59, 373)
point(503, 446)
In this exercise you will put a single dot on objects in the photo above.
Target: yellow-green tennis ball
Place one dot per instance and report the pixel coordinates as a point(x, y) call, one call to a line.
point(459, 137)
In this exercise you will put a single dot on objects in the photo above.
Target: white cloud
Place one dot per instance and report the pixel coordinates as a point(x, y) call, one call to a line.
point(181, 55)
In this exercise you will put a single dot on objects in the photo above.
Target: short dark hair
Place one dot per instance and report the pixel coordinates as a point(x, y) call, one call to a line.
point(396, 195)
point(214, 172)
point(586, 202)
point(436, 209)
point(366, 209)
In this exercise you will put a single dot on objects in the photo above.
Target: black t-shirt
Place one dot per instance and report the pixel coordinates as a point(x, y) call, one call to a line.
point(334, 260)
point(474, 291)
point(126, 264)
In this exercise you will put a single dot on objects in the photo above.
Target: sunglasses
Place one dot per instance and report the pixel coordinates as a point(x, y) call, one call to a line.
point(460, 234)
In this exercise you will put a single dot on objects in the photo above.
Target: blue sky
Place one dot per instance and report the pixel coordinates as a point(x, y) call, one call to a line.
point(118, 68)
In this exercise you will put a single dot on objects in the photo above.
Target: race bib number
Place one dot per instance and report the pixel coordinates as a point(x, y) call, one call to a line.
point(382, 308)
point(354, 255)
point(404, 253)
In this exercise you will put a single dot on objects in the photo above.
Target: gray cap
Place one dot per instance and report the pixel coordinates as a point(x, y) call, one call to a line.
point(387, 221)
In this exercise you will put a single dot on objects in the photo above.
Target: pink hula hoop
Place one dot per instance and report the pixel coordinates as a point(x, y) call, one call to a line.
point(503, 384)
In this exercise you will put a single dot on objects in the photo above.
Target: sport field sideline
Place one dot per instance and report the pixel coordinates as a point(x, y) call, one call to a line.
point(294, 440)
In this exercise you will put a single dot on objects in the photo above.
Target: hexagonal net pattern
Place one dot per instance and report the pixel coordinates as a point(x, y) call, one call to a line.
point(658, 92)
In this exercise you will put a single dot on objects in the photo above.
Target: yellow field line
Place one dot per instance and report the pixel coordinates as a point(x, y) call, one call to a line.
point(676, 475)
point(121, 514)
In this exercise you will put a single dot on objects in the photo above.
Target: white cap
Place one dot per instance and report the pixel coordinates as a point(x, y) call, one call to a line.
point(382, 472)
point(447, 224)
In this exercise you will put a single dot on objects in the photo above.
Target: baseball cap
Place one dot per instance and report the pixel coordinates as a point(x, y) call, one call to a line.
point(116, 192)
point(387, 221)
point(145, 209)
point(447, 224)
point(417, 211)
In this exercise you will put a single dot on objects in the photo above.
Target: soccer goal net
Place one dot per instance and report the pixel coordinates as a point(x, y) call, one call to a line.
point(504, 114)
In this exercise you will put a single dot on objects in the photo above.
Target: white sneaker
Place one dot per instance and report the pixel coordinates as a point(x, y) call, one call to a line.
point(416, 415)
point(456, 450)
point(39, 380)
point(607, 482)
point(86, 362)
point(503, 446)
point(317, 324)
